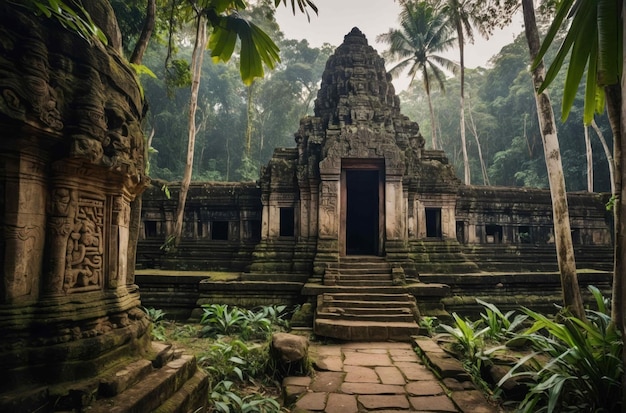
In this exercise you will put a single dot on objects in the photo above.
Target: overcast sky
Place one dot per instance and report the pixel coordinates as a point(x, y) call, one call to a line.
point(337, 17)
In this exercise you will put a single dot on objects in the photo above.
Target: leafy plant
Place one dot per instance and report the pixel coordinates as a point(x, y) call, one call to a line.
point(584, 365)
point(70, 14)
point(467, 337)
point(277, 314)
point(156, 318)
point(219, 319)
point(233, 360)
point(256, 325)
point(429, 324)
point(501, 326)
point(226, 400)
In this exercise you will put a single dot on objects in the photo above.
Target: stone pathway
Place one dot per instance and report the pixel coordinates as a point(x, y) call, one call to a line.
point(383, 377)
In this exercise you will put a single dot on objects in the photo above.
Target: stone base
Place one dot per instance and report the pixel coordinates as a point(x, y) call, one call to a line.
point(168, 382)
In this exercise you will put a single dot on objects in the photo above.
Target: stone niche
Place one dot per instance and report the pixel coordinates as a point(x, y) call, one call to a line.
point(71, 162)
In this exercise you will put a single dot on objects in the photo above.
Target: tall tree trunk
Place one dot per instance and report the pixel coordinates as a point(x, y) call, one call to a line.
point(135, 205)
point(483, 168)
point(615, 98)
point(146, 33)
point(466, 166)
point(617, 113)
point(196, 72)
point(572, 299)
point(589, 153)
point(433, 133)
point(249, 118)
point(607, 153)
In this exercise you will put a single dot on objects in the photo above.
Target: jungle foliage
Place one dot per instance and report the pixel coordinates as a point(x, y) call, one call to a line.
point(499, 101)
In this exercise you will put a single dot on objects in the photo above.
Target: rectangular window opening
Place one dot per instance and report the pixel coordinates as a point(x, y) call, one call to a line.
point(493, 234)
point(219, 231)
point(523, 234)
point(150, 229)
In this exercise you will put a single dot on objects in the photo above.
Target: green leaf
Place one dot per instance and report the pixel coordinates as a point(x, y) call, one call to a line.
point(222, 41)
point(581, 47)
point(609, 44)
point(561, 14)
point(143, 70)
point(591, 87)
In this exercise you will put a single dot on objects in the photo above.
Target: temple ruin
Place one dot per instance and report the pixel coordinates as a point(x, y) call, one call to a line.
point(362, 226)
point(73, 333)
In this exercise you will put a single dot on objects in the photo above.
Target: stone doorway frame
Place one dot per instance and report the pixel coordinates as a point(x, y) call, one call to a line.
point(377, 164)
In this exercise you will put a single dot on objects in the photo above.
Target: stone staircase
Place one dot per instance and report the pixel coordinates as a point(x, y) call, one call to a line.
point(360, 302)
point(169, 383)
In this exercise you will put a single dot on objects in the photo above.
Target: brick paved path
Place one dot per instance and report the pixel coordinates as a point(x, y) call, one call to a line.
point(381, 377)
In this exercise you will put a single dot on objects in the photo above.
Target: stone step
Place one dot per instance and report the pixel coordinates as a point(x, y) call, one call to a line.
point(374, 305)
point(365, 270)
point(366, 296)
point(365, 276)
point(334, 313)
point(368, 283)
point(188, 399)
point(365, 330)
point(317, 289)
point(157, 388)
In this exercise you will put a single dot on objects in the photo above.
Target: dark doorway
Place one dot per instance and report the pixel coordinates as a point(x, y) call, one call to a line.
point(362, 214)
point(433, 222)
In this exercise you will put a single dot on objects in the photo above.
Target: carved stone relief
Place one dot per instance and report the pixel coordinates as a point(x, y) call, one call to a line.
point(328, 209)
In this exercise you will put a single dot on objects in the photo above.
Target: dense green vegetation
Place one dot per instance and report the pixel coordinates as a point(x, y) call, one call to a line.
point(232, 346)
point(561, 363)
point(500, 110)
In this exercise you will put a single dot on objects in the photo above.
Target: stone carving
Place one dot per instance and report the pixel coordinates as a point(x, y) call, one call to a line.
point(62, 87)
point(71, 161)
point(62, 214)
point(20, 240)
point(328, 209)
point(25, 90)
point(84, 254)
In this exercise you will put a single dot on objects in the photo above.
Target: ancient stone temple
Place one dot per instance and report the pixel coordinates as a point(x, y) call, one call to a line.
point(72, 333)
point(362, 224)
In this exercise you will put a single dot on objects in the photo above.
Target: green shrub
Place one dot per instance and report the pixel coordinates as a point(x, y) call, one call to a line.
point(226, 400)
point(156, 317)
point(233, 360)
point(584, 368)
point(500, 326)
point(219, 319)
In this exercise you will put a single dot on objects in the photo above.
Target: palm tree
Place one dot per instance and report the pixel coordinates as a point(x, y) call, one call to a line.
point(423, 34)
point(460, 15)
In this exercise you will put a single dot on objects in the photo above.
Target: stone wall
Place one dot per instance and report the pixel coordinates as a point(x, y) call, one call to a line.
point(71, 162)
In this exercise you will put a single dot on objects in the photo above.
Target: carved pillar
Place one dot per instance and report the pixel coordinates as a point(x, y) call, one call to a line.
point(420, 219)
point(265, 217)
point(329, 208)
point(22, 226)
point(120, 233)
point(273, 219)
point(314, 188)
point(61, 223)
point(305, 212)
point(394, 222)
